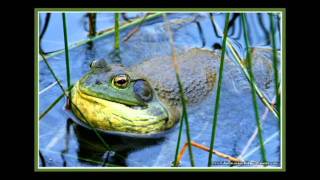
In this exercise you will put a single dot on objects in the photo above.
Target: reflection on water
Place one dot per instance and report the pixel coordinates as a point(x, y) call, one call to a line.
point(64, 143)
point(91, 147)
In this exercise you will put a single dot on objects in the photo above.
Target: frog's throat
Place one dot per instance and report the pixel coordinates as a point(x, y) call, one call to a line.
point(108, 115)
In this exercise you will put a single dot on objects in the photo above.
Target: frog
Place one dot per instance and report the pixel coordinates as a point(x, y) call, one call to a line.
point(145, 99)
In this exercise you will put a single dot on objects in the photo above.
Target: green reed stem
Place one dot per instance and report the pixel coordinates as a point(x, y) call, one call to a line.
point(261, 95)
point(275, 61)
point(66, 94)
point(53, 74)
point(104, 33)
point(66, 47)
point(51, 106)
point(181, 91)
point(117, 32)
point(217, 103)
point(92, 24)
point(184, 109)
point(176, 163)
point(254, 99)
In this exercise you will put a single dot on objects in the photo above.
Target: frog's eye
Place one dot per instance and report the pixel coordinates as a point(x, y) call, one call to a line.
point(121, 81)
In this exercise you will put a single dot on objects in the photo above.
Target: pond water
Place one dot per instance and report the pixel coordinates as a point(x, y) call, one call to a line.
point(63, 143)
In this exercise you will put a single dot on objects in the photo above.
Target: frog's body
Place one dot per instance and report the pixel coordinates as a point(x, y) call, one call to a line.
point(150, 102)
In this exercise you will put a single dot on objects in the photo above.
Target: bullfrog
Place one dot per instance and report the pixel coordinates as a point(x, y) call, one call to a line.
point(144, 99)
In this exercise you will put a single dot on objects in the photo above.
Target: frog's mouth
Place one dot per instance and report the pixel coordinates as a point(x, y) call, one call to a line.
point(112, 116)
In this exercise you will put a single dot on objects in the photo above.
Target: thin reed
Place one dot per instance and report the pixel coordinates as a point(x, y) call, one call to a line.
point(238, 59)
point(217, 103)
point(275, 61)
point(66, 47)
point(254, 99)
point(117, 32)
point(104, 33)
point(182, 95)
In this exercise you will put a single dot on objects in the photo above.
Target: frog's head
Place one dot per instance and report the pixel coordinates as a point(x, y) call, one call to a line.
point(112, 98)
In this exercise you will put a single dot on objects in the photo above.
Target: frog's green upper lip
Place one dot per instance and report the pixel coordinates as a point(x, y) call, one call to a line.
point(114, 116)
point(126, 102)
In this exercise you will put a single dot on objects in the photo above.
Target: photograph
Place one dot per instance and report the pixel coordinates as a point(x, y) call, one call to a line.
point(197, 89)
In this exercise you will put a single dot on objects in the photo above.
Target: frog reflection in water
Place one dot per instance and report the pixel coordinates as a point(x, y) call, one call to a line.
point(144, 99)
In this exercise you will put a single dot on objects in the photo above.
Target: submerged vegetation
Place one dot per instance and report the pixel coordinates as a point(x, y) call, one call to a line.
point(227, 45)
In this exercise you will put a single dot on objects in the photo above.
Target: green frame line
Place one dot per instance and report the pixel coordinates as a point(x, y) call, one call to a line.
point(159, 169)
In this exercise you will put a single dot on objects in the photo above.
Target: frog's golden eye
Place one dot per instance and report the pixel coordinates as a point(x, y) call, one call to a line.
point(121, 81)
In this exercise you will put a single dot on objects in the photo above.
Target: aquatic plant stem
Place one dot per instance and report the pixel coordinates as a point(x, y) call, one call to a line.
point(217, 103)
point(181, 91)
point(255, 133)
point(65, 93)
point(48, 88)
point(92, 24)
point(135, 30)
point(53, 74)
point(51, 106)
point(261, 95)
point(66, 47)
point(103, 33)
point(255, 104)
point(184, 107)
point(117, 32)
point(275, 62)
point(176, 162)
point(200, 146)
point(238, 59)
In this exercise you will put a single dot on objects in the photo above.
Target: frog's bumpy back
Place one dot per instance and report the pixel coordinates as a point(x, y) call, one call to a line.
point(197, 71)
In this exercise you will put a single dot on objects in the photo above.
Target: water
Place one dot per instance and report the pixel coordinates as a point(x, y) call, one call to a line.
point(236, 123)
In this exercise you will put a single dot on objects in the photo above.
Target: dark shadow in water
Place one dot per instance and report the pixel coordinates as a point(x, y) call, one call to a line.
point(264, 29)
point(44, 30)
point(42, 160)
point(125, 17)
point(203, 40)
point(90, 147)
point(67, 140)
point(232, 24)
point(214, 27)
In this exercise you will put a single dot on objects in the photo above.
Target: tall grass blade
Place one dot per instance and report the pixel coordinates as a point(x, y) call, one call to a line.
point(66, 47)
point(92, 24)
point(51, 106)
point(181, 91)
point(117, 32)
point(217, 103)
point(53, 74)
point(176, 163)
point(254, 99)
point(275, 61)
point(238, 59)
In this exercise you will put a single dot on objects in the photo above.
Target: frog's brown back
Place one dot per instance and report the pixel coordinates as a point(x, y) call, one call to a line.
point(197, 71)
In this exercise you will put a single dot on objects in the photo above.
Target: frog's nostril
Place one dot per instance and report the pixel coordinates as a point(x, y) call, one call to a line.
point(143, 90)
point(98, 82)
